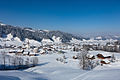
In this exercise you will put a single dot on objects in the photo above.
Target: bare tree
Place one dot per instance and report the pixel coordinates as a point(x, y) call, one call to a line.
point(20, 61)
point(27, 62)
point(14, 62)
point(4, 59)
point(84, 63)
point(9, 58)
point(35, 61)
point(112, 58)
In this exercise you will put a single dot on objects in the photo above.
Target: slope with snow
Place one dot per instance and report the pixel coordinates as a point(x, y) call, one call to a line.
point(71, 71)
point(46, 40)
point(56, 39)
point(50, 69)
point(21, 75)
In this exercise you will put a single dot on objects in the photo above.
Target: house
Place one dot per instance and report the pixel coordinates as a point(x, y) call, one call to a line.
point(75, 57)
point(20, 47)
point(105, 61)
point(89, 56)
point(42, 51)
point(12, 51)
point(19, 52)
point(32, 54)
point(35, 50)
point(100, 56)
point(25, 53)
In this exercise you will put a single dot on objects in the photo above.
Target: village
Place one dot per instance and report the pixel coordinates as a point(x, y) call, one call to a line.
point(26, 51)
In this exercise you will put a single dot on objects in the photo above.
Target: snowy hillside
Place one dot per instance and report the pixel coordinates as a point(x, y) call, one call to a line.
point(50, 69)
point(38, 35)
point(51, 62)
point(55, 70)
point(21, 75)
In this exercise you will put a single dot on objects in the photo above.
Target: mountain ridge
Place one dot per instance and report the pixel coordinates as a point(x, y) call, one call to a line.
point(38, 35)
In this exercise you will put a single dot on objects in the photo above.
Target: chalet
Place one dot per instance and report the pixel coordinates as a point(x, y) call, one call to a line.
point(32, 54)
point(23, 47)
point(100, 56)
point(12, 51)
point(89, 56)
point(19, 52)
point(20, 47)
point(75, 57)
point(35, 50)
point(26, 53)
point(42, 51)
point(105, 61)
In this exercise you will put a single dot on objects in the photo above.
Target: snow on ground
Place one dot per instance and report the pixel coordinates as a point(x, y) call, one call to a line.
point(9, 36)
point(46, 30)
point(30, 30)
point(46, 40)
point(17, 39)
point(74, 41)
point(32, 42)
point(21, 75)
point(70, 71)
point(56, 39)
point(50, 69)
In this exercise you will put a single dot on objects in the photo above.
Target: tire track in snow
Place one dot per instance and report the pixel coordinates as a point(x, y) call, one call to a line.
point(76, 78)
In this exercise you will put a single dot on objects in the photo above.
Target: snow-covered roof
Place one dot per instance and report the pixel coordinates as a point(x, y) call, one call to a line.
point(90, 55)
point(41, 51)
point(25, 52)
point(32, 53)
point(106, 60)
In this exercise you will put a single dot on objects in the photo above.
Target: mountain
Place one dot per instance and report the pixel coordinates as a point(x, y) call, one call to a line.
point(101, 36)
point(114, 37)
point(37, 35)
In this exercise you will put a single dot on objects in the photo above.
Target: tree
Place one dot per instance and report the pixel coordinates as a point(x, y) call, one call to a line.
point(4, 59)
point(14, 61)
point(27, 62)
point(35, 61)
point(85, 63)
point(20, 61)
point(112, 58)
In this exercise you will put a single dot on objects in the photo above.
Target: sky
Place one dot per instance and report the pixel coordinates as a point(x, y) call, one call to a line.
point(73, 16)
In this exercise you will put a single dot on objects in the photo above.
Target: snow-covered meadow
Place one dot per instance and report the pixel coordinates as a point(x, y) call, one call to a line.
point(49, 68)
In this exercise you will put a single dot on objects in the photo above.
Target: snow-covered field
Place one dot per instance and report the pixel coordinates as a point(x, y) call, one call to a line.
point(50, 69)
point(71, 71)
point(20, 75)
